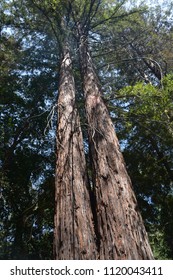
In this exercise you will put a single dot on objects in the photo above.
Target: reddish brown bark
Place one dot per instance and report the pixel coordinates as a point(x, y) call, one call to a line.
point(74, 236)
point(121, 232)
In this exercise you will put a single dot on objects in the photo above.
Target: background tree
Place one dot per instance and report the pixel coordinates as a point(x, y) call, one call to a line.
point(27, 90)
point(147, 133)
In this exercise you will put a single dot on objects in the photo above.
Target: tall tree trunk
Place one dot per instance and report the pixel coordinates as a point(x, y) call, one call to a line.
point(74, 236)
point(121, 232)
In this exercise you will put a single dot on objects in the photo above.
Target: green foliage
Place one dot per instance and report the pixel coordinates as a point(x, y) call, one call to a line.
point(146, 131)
point(28, 89)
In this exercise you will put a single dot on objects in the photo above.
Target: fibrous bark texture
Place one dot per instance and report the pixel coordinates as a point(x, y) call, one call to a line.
point(74, 236)
point(120, 230)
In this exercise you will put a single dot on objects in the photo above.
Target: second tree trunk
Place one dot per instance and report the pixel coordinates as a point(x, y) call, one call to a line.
point(120, 230)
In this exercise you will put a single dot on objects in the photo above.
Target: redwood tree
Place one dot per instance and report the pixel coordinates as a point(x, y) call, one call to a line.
point(74, 236)
point(118, 226)
point(121, 232)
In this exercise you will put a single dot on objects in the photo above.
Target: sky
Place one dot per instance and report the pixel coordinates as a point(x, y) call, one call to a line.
point(150, 2)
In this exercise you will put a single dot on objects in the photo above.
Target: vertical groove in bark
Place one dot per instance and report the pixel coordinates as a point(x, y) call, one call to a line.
point(121, 230)
point(74, 236)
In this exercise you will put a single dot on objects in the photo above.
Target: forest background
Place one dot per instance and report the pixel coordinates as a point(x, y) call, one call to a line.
point(133, 56)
